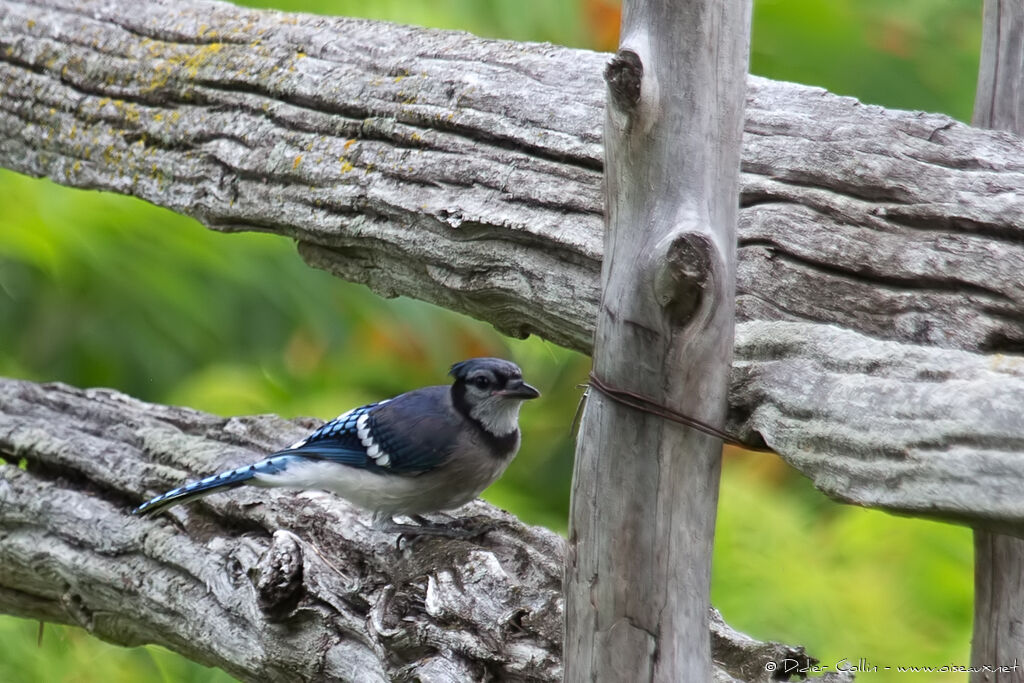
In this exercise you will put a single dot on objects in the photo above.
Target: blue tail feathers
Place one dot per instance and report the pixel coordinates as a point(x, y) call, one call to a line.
point(204, 487)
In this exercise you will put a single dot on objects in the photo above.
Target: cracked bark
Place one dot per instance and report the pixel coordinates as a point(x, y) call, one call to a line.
point(266, 584)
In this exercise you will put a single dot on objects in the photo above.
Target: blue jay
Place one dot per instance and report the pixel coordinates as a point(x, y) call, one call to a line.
point(427, 450)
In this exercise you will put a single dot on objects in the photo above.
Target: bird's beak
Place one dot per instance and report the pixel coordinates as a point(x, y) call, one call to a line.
point(517, 388)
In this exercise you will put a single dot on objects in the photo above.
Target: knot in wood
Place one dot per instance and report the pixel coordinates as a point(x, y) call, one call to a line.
point(624, 75)
point(683, 275)
point(279, 577)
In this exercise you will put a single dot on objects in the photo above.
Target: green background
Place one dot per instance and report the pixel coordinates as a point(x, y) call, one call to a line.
point(104, 290)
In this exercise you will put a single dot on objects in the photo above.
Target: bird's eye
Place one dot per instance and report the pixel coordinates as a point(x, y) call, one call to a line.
point(481, 382)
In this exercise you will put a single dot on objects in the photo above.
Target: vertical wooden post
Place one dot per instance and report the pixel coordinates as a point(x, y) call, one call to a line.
point(645, 490)
point(999, 99)
point(998, 638)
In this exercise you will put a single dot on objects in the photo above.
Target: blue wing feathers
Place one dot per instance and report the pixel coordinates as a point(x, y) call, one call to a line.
point(392, 425)
point(342, 429)
point(416, 430)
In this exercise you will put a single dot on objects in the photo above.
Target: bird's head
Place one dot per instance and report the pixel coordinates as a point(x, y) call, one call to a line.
point(491, 391)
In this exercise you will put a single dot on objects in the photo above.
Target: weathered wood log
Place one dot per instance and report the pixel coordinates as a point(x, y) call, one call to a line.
point(996, 640)
point(467, 172)
point(645, 490)
point(266, 584)
point(945, 443)
point(999, 558)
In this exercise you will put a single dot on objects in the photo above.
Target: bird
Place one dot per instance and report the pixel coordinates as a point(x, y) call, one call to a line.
point(424, 451)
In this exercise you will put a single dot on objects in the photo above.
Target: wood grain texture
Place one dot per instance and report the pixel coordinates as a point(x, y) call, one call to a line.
point(468, 173)
point(999, 102)
point(266, 584)
point(645, 490)
point(914, 430)
point(998, 612)
point(998, 638)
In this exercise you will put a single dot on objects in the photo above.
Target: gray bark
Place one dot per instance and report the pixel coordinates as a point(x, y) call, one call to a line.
point(266, 584)
point(645, 490)
point(998, 637)
point(945, 441)
point(998, 558)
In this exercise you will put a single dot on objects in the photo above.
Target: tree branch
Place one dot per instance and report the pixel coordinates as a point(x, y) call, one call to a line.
point(910, 429)
point(467, 172)
point(265, 584)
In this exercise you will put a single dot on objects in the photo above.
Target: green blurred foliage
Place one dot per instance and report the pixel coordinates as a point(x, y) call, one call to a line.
point(103, 290)
point(555, 21)
point(844, 582)
point(915, 54)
